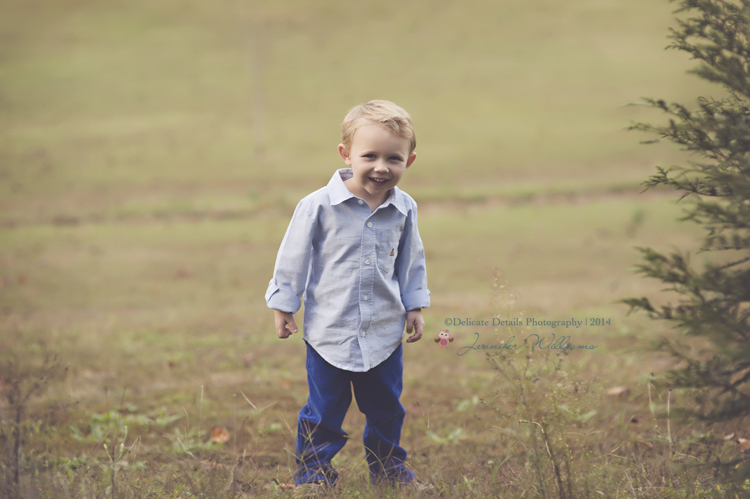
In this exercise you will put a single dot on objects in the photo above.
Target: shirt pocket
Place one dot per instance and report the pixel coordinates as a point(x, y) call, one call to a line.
point(387, 250)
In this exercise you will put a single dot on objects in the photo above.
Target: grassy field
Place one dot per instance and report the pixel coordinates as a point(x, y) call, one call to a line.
point(151, 155)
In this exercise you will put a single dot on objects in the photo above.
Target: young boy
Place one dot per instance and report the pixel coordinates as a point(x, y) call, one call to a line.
point(353, 251)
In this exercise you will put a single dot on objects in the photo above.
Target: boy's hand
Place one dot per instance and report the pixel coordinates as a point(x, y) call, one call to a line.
point(414, 321)
point(285, 325)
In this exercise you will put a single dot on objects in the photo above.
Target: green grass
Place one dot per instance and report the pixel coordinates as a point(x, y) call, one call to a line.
point(139, 226)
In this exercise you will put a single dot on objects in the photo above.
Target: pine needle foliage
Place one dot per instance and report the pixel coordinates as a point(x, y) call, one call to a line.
point(713, 303)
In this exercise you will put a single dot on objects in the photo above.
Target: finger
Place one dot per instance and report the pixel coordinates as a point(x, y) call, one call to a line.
point(413, 326)
point(292, 325)
point(286, 333)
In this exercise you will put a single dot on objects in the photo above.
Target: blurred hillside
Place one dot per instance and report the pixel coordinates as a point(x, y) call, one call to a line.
point(142, 107)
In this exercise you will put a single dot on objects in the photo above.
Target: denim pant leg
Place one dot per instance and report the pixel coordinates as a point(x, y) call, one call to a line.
point(377, 392)
point(319, 432)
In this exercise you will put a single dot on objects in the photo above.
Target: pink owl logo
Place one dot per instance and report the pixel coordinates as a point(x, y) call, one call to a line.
point(444, 337)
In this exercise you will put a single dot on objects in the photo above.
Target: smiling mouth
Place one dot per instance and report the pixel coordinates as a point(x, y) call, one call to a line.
point(378, 181)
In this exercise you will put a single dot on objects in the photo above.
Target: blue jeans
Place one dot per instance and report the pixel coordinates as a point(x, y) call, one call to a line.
point(319, 432)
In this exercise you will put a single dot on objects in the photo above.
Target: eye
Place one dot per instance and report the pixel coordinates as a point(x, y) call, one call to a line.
point(396, 158)
point(368, 156)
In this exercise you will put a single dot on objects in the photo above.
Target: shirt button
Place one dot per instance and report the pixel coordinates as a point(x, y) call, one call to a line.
point(362, 334)
point(365, 298)
point(359, 201)
point(367, 261)
point(369, 224)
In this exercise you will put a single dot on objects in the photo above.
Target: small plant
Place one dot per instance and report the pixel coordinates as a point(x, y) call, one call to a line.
point(19, 384)
point(102, 425)
point(540, 404)
point(544, 418)
point(115, 457)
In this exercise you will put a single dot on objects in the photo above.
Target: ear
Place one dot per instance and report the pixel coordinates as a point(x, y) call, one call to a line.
point(344, 155)
point(411, 159)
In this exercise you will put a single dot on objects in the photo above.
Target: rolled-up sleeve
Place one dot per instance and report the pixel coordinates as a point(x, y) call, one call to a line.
point(290, 273)
point(410, 266)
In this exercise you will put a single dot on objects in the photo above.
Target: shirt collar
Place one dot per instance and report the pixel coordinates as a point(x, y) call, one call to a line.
point(338, 192)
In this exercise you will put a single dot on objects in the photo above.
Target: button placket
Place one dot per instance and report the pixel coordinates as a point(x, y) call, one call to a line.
point(367, 279)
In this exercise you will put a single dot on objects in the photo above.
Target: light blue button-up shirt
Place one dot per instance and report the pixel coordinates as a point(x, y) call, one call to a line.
point(359, 272)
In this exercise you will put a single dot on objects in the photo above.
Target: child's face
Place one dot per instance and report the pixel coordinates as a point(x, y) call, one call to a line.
point(378, 160)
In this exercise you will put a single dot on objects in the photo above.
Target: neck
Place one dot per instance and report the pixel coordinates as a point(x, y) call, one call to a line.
point(372, 201)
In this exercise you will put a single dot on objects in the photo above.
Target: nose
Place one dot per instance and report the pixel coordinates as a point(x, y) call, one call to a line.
point(380, 166)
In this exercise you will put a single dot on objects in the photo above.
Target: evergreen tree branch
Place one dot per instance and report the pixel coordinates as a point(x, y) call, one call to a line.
point(713, 303)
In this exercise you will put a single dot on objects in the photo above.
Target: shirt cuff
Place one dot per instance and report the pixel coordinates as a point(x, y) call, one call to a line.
point(278, 299)
point(416, 299)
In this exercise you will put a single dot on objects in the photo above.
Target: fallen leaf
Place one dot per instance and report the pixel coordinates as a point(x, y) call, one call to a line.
point(744, 445)
point(219, 435)
point(617, 390)
point(646, 442)
point(729, 437)
point(286, 486)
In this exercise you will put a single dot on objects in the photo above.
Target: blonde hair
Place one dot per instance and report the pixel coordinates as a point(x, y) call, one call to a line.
point(379, 112)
